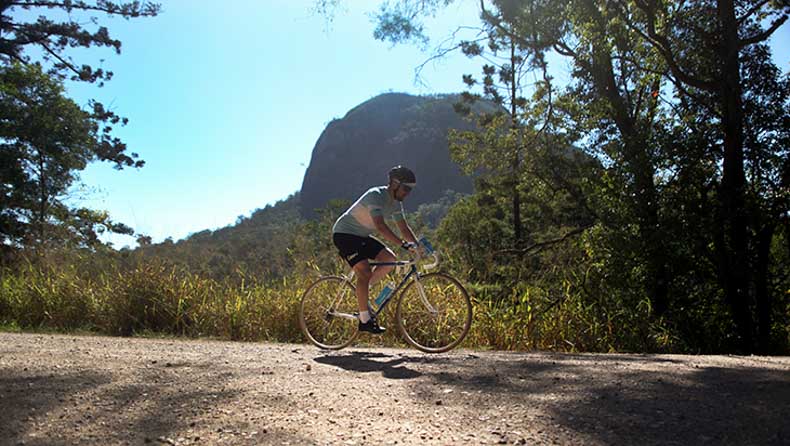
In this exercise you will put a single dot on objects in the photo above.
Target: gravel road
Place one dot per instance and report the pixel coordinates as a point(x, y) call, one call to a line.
point(58, 389)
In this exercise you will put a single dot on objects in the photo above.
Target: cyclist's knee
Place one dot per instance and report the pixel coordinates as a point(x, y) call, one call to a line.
point(386, 255)
point(363, 271)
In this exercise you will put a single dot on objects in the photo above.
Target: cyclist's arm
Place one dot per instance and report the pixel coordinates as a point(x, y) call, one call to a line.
point(385, 230)
point(406, 231)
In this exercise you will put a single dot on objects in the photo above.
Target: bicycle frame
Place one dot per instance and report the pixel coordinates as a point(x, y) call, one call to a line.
point(414, 314)
point(412, 273)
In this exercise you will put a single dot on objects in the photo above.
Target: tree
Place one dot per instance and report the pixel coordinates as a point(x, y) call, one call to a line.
point(602, 53)
point(723, 32)
point(499, 74)
point(54, 38)
point(700, 49)
point(45, 139)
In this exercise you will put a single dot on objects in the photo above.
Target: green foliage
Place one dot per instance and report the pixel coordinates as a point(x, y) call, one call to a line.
point(684, 118)
point(44, 141)
point(311, 250)
point(256, 246)
point(400, 22)
point(46, 138)
point(471, 233)
point(432, 213)
point(55, 37)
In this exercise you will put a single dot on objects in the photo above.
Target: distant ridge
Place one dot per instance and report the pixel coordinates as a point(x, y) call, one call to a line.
point(351, 155)
point(355, 152)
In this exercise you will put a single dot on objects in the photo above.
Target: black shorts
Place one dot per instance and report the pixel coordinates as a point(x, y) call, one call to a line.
point(355, 249)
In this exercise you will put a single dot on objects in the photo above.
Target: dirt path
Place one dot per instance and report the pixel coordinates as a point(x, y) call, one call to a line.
point(99, 390)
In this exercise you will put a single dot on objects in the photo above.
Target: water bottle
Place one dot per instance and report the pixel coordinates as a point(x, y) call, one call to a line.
point(427, 245)
point(385, 294)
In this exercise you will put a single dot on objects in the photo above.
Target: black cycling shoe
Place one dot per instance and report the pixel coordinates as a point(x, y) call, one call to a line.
point(371, 326)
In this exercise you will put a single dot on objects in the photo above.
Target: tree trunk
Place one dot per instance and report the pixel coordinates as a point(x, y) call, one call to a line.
point(42, 199)
point(641, 167)
point(734, 243)
point(762, 291)
point(516, 162)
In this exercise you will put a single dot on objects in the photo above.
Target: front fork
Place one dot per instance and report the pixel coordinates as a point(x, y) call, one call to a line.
point(423, 296)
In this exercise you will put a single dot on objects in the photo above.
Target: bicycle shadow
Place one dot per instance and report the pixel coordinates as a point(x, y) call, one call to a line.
point(367, 362)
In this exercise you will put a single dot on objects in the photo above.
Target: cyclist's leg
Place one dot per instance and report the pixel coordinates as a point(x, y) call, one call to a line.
point(363, 273)
point(385, 255)
point(356, 250)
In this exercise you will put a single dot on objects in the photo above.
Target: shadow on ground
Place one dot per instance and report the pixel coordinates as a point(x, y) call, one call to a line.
point(616, 399)
point(391, 367)
point(609, 399)
point(157, 408)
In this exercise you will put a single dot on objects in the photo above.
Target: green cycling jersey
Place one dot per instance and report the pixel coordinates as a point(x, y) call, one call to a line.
point(358, 219)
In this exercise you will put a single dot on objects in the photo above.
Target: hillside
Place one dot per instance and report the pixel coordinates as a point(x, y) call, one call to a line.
point(351, 155)
point(258, 244)
point(355, 152)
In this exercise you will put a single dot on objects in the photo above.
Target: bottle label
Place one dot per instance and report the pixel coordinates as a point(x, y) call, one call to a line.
point(383, 295)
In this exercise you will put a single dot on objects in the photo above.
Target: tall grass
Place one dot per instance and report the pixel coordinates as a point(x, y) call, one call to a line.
point(154, 298)
point(159, 298)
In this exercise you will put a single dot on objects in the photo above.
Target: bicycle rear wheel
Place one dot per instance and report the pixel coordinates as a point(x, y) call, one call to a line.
point(434, 313)
point(328, 313)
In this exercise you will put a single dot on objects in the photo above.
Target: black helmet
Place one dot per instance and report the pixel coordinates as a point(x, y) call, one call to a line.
point(403, 175)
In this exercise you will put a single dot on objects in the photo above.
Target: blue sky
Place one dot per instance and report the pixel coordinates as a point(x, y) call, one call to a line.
point(225, 103)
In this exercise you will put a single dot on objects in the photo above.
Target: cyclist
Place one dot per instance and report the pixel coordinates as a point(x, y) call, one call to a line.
point(352, 233)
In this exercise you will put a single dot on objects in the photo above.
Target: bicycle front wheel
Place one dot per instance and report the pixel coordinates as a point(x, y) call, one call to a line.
point(328, 313)
point(434, 313)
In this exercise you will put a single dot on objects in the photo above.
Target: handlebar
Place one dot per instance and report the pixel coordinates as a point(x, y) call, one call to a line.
point(435, 263)
point(416, 258)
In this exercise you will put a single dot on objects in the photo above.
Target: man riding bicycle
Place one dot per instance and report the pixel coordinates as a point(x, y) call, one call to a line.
point(352, 232)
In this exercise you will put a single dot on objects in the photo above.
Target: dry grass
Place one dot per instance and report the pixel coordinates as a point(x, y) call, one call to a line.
point(160, 299)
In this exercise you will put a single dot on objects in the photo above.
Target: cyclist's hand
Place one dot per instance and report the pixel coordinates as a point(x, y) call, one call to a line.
point(409, 246)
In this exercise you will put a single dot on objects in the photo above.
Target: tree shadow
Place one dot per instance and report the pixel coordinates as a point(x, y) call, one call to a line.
point(712, 405)
point(24, 396)
point(616, 399)
point(618, 357)
point(156, 407)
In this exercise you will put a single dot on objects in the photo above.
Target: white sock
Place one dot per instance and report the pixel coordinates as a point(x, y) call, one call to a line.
point(364, 316)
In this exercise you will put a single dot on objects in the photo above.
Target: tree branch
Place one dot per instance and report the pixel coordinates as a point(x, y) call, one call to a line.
point(753, 10)
point(65, 63)
point(550, 102)
point(759, 37)
point(541, 245)
point(441, 52)
point(134, 9)
point(661, 43)
point(676, 82)
point(564, 50)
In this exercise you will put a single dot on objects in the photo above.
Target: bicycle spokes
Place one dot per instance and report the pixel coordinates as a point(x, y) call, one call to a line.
point(327, 314)
point(434, 313)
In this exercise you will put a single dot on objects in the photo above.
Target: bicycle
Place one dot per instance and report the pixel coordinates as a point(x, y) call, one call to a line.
point(434, 311)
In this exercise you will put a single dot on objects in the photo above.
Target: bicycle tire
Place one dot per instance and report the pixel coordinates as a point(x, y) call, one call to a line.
point(440, 330)
point(324, 313)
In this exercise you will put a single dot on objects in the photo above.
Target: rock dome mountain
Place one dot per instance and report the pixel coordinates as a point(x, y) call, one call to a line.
point(355, 152)
point(351, 155)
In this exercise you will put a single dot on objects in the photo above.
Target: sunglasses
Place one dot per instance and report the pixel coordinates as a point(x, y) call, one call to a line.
point(407, 186)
